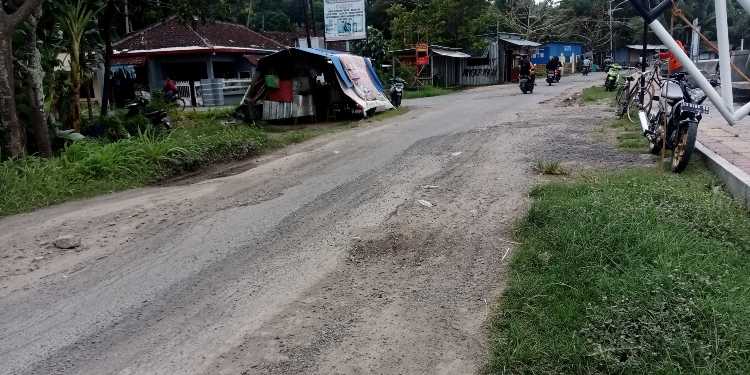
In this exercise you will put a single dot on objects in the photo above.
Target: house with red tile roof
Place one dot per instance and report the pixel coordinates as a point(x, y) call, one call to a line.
point(191, 52)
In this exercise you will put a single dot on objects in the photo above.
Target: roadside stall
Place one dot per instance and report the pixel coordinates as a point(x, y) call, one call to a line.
point(313, 83)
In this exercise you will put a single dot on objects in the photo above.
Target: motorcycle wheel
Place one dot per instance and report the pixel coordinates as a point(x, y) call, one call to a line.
point(683, 150)
point(656, 142)
point(619, 99)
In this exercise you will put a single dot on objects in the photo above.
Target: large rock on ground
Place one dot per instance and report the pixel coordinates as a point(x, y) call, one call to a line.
point(67, 242)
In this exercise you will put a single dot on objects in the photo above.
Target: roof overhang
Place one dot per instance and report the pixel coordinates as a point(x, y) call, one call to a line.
point(450, 53)
point(193, 50)
point(520, 42)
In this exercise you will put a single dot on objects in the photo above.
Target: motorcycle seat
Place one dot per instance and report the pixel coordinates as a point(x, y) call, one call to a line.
point(671, 91)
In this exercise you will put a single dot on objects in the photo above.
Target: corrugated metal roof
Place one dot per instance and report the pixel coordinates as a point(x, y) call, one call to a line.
point(456, 54)
point(521, 42)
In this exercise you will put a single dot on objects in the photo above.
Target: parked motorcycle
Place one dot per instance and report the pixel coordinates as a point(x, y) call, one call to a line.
point(159, 119)
point(613, 76)
point(675, 125)
point(397, 91)
point(527, 83)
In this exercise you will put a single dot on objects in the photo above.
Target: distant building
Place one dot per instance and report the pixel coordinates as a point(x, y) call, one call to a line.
point(566, 50)
point(445, 66)
point(503, 57)
point(630, 55)
point(188, 53)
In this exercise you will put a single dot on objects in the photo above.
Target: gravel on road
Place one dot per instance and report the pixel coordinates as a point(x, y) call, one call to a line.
point(381, 249)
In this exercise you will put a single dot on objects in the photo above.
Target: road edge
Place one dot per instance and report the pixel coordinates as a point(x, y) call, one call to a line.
point(737, 181)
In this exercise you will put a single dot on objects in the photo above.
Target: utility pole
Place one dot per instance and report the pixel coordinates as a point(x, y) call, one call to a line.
point(611, 38)
point(612, 10)
point(128, 25)
point(306, 7)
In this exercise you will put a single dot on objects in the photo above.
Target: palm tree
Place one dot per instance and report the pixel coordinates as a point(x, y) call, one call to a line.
point(76, 18)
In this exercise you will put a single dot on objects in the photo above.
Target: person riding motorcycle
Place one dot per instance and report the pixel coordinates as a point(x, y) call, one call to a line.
point(527, 68)
point(527, 75)
point(554, 65)
point(587, 65)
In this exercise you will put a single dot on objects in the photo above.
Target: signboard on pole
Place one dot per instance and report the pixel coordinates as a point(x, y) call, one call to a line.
point(345, 20)
point(423, 54)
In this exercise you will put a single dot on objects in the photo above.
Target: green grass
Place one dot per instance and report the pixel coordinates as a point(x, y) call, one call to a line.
point(634, 272)
point(629, 136)
point(597, 94)
point(427, 92)
point(548, 167)
point(90, 168)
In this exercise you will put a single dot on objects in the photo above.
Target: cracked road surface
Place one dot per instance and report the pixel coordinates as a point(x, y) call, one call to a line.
point(320, 260)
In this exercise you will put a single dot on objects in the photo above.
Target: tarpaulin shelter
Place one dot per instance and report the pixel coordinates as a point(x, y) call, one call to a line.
point(310, 82)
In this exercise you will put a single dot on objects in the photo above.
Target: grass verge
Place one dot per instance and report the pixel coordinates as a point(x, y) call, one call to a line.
point(427, 92)
point(597, 94)
point(629, 136)
point(91, 167)
point(632, 272)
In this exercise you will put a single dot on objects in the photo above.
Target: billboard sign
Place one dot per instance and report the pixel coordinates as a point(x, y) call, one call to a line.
point(345, 20)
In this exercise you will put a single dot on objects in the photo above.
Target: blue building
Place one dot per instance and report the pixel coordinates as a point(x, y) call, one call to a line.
point(567, 49)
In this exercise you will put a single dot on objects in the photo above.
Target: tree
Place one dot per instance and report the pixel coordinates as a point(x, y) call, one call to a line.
point(373, 47)
point(75, 21)
point(541, 21)
point(34, 77)
point(9, 21)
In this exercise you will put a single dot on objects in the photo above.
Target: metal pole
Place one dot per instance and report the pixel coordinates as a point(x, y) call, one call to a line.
point(642, 93)
point(725, 58)
point(696, 41)
point(611, 36)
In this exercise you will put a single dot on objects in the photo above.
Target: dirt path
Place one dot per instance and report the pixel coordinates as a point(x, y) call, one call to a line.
point(321, 260)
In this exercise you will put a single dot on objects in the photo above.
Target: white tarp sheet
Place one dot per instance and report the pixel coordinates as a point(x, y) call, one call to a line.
point(363, 90)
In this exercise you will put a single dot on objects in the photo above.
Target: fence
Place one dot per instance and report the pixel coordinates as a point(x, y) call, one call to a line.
point(222, 92)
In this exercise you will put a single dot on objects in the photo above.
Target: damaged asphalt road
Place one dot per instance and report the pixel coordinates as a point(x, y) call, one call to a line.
point(322, 260)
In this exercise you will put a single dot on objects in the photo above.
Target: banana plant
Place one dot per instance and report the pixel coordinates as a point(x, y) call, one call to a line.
point(75, 21)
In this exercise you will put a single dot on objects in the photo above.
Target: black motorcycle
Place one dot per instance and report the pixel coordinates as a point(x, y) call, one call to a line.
point(159, 118)
point(526, 82)
point(397, 91)
point(551, 77)
point(675, 125)
point(586, 70)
